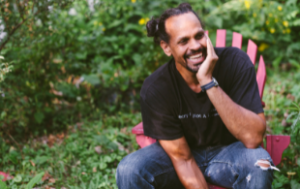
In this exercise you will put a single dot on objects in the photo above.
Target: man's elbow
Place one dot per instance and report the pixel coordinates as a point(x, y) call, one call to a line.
point(253, 140)
point(253, 143)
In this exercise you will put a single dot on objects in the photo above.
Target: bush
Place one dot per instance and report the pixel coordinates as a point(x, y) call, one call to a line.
point(78, 60)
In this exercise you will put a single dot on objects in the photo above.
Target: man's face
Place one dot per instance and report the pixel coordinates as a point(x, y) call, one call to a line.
point(187, 42)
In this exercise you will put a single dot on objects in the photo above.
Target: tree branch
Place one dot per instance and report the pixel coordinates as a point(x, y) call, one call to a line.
point(13, 31)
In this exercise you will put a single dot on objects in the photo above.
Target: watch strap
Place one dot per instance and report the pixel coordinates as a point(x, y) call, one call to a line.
point(211, 84)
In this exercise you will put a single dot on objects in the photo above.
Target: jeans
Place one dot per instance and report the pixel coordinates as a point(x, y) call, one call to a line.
point(231, 166)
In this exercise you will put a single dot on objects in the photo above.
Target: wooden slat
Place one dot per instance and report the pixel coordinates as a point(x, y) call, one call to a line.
point(237, 40)
point(276, 144)
point(138, 129)
point(261, 76)
point(252, 50)
point(221, 38)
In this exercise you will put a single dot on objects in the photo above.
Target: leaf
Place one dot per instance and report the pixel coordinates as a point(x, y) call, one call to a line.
point(102, 165)
point(295, 63)
point(81, 55)
point(115, 23)
point(34, 180)
point(3, 185)
point(39, 116)
point(107, 159)
point(295, 184)
point(93, 79)
point(276, 62)
point(41, 159)
point(17, 179)
point(291, 115)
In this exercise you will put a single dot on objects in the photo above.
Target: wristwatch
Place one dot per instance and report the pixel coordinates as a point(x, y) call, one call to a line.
point(211, 84)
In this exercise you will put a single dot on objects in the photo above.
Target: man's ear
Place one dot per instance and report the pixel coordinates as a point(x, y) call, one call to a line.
point(166, 48)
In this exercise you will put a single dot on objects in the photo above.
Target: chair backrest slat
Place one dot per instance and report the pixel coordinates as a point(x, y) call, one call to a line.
point(221, 38)
point(261, 76)
point(252, 50)
point(237, 40)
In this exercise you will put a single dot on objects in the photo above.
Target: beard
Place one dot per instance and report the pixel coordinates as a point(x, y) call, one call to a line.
point(193, 69)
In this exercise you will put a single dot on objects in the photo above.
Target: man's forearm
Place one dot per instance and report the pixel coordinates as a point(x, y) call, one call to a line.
point(184, 163)
point(245, 125)
point(189, 174)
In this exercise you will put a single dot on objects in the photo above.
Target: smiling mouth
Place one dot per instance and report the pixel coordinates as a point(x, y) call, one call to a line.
point(195, 56)
point(196, 59)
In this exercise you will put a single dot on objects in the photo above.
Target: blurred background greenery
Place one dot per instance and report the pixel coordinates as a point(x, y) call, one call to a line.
point(72, 72)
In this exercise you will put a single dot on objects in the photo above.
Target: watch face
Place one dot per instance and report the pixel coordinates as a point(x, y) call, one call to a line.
point(215, 81)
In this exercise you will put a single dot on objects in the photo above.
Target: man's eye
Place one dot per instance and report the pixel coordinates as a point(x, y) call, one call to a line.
point(183, 41)
point(199, 36)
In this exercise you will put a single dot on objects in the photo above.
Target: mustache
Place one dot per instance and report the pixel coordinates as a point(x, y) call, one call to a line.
point(203, 50)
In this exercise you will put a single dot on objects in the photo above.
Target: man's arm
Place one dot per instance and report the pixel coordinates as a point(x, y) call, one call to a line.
point(247, 126)
point(184, 163)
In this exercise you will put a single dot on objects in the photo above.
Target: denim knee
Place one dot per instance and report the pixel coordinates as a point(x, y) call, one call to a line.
point(132, 173)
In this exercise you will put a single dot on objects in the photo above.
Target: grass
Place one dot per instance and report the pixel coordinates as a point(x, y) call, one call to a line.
point(87, 154)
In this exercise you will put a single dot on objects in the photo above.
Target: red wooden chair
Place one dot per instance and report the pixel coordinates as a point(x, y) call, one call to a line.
point(275, 144)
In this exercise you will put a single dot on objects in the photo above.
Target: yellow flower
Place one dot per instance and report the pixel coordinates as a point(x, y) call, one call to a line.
point(272, 30)
point(288, 30)
point(270, 14)
point(285, 23)
point(291, 173)
point(279, 8)
point(103, 29)
point(254, 15)
point(147, 19)
point(247, 4)
point(142, 21)
point(283, 31)
point(267, 22)
point(276, 20)
point(263, 47)
point(133, 1)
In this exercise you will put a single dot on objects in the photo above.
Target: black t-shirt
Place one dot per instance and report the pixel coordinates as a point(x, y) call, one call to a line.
point(170, 109)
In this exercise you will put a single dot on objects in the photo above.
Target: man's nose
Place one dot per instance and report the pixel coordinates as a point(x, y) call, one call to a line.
point(195, 45)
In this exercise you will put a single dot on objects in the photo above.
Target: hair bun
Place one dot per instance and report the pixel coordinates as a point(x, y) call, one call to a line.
point(185, 6)
point(152, 27)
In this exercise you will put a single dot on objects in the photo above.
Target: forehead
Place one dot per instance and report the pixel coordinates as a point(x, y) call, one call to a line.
point(182, 25)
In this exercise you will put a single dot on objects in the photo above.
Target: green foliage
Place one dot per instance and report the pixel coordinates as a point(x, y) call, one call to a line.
point(2, 185)
point(35, 180)
point(85, 157)
point(282, 99)
point(72, 59)
point(273, 25)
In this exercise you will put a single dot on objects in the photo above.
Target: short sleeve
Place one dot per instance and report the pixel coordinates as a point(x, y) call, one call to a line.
point(244, 90)
point(158, 120)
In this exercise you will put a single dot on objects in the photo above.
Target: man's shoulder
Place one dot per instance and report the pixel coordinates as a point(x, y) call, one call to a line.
point(160, 80)
point(233, 57)
point(230, 51)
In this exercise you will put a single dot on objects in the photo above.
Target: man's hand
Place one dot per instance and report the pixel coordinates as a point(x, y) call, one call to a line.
point(204, 74)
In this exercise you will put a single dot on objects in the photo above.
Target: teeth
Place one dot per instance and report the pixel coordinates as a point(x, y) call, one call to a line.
point(195, 56)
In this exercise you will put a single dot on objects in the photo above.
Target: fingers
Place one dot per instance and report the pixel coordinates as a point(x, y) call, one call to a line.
point(210, 47)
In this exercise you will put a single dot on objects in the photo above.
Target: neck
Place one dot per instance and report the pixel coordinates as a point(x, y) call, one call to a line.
point(189, 77)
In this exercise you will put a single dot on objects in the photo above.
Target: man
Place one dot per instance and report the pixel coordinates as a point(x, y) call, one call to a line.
point(206, 130)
